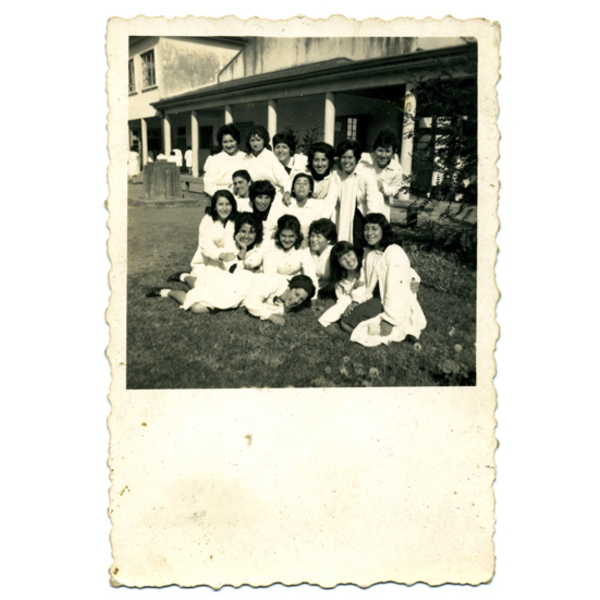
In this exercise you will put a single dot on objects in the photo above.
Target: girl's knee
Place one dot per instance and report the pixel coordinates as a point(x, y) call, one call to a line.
point(199, 308)
point(347, 328)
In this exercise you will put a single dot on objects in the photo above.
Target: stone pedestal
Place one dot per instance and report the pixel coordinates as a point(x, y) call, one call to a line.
point(162, 181)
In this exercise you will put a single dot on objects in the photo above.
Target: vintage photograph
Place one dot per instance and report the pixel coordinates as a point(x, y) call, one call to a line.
point(302, 211)
point(302, 244)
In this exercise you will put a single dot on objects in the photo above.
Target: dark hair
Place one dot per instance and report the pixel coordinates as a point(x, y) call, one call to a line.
point(326, 228)
point(337, 271)
point(311, 183)
point(230, 129)
point(388, 234)
point(259, 188)
point(325, 149)
point(303, 282)
point(243, 174)
point(262, 133)
point(287, 138)
point(386, 138)
point(289, 222)
point(214, 150)
point(212, 209)
point(346, 145)
point(254, 221)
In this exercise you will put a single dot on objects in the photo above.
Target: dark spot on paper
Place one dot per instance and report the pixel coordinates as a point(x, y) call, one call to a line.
point(116, 570)
point(125, 489)
point(144, 424)
point(249, 439)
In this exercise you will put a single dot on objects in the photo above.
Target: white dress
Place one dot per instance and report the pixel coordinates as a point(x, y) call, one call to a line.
point(260, 301)
point(346, 291)
point(298, 164)
point(219, 170)
point(390, 177)
point(323, 266)
point(311, 211)
point(289, 263)
point(266, 166)
point(357, 190)
point(213, 240)
point(390, 270)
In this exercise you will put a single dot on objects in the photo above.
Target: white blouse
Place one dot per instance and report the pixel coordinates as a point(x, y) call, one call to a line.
point(266, 166)
point(289, 263)
point(219, 170)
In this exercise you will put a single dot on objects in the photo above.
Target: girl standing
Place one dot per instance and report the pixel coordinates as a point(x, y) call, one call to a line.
point(260, 162)
point(219, 168)
point(359, 194)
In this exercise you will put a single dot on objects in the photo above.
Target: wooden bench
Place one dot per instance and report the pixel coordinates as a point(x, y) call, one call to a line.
point(192, 184)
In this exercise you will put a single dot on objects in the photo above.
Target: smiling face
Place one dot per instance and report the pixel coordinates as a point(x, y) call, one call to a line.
point(283, 153)
point(317, 242)
point(240, 187)
point(348, 162)
point(349, 261)
point(302, 188)
point(373, 234)
point(287, 238)
point(257, 144)
point(229, 144)
point(294, 298)
point(320, 163)
point(247, 234)
point(262, 202)
point(383, 156)
point(223, 208)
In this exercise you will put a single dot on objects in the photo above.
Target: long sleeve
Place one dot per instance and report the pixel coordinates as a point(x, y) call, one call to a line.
point(210, 175)
point(372, 196)
point(395, 276)
point(214, 238)
point(257, 301)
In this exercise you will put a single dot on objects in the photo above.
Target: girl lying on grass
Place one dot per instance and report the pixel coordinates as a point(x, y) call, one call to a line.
point(389, 311)
point(288, 258)
point(268, 297)
point(216, 248)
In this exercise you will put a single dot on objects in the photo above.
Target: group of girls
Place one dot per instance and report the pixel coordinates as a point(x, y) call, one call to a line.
point(282, 227)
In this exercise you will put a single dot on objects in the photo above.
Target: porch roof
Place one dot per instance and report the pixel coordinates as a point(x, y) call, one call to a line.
point(337, 75)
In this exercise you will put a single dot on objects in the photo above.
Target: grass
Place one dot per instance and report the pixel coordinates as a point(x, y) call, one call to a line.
point(170, 348)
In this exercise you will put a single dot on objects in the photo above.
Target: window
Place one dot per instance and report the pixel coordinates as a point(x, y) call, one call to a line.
point(352, 128)
point(131, 76)
point(206, 136)
point(148, 70)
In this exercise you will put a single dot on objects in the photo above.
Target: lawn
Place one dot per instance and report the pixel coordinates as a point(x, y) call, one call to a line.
point(170, 348)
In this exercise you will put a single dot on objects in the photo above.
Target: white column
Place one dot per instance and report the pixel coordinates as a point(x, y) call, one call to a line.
point(272, 118)
point(167, 135)
point(144, 153)
point(329, 127)
point(408, 131)
point(228, 114)
point(195, 144)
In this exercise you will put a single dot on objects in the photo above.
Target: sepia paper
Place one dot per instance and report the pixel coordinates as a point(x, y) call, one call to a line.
point(326, 486)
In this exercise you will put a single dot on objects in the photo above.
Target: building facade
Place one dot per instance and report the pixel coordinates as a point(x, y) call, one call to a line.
point(321, 88)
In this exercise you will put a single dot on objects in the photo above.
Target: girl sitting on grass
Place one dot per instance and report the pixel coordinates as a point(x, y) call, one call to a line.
point(287, 258)
point(346, 262)
point(389, 311)
point(224, 289)
point(322, 235)
point(216, 248)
